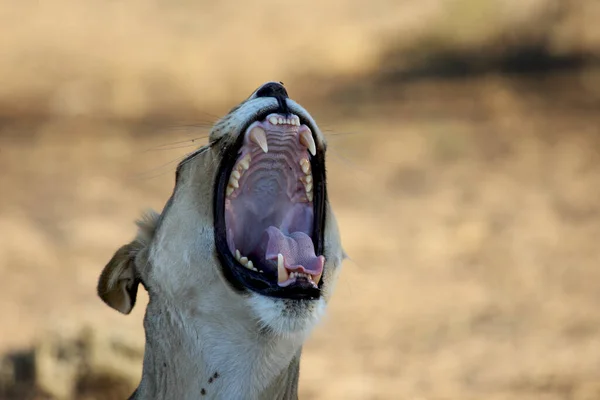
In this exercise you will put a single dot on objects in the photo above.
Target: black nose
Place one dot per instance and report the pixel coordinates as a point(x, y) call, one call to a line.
point(272, 89)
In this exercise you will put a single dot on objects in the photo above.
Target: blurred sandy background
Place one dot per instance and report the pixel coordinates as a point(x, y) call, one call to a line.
point(464, 169)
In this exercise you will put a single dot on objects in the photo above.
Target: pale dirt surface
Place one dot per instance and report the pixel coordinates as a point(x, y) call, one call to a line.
point(471, 213)
point(470, 207)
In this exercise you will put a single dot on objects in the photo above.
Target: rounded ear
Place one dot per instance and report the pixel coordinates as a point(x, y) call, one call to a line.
point(118, 283)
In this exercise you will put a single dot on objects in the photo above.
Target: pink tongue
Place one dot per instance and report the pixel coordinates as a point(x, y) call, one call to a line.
point(297, 250)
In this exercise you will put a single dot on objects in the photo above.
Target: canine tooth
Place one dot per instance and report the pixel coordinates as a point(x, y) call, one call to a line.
point(317, 278)
point(238, 255)
point(307, 140)
point(282, 273)
point(228, 191)
point(273, 120)
point(258, 136)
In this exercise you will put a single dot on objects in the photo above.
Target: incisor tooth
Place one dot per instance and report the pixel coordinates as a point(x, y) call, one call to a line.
point(282, 273)
point(307, 140)
point(258, 136)
point(273, 120)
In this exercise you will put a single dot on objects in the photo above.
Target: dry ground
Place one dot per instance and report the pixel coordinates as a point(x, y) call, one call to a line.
point(471, 210)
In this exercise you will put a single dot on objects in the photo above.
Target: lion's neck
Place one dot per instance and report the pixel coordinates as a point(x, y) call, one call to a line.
point(220, 355)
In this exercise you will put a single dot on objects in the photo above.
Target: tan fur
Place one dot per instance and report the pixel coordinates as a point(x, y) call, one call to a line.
point(203, 339)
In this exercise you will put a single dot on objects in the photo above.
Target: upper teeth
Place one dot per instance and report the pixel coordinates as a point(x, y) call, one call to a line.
point(307, 140)
point(291, 120)
point(244, 163)
point(305, 165)
point(258, 136)
point(239, 169)
point(307, 180)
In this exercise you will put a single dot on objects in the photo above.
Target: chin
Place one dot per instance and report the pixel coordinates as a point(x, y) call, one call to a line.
point(287, 317)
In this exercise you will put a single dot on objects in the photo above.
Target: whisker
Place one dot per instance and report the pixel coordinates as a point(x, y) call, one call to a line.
point(177, 145)
point(148, 174)
point(347, 162)
point(330, 133)
point(204, 125)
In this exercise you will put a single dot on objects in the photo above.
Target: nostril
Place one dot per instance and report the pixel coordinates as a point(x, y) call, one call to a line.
point(272, 89)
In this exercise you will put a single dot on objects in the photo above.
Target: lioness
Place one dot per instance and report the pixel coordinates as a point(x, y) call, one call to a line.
point(240, 263)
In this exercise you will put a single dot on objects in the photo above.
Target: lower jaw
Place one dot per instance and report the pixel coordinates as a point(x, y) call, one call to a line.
point(285, 317)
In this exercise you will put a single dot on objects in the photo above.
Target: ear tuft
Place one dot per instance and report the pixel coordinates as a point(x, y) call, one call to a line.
point(118, 283)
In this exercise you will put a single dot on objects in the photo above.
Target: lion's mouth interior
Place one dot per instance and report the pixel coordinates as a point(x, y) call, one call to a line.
point(269, 211)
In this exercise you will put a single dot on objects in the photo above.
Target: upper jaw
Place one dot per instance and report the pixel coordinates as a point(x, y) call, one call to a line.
point(242, 279)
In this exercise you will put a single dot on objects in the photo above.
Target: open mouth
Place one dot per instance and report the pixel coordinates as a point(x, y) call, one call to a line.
point(269, 210)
